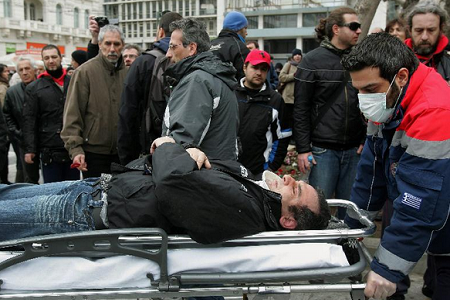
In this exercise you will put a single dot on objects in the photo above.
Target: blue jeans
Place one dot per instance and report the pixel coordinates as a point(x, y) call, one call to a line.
point(29, 210)
point(56, 171)
point(334, 172)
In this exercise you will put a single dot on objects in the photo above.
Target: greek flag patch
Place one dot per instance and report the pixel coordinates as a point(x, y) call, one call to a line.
point(411, 201)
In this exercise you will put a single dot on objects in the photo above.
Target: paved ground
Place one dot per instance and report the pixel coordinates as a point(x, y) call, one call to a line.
point(371, 243)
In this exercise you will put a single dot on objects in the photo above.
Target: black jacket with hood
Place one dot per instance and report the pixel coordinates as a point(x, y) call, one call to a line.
point(211, 206)
point(202, 109)
point(229, 48)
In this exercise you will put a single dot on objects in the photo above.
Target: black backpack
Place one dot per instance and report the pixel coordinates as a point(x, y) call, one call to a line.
point(159, 93)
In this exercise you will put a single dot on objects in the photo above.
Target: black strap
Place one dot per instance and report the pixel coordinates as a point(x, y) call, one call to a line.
point(327, 105)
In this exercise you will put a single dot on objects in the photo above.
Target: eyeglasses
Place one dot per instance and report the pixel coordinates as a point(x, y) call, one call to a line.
point(172, 46)
point(353, 25)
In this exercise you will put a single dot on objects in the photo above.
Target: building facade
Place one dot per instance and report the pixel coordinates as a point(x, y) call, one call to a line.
point(279, 26)
point(27, 25)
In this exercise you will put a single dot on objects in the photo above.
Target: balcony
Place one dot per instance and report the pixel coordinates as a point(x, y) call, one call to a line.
point(253, 5)
point(36, 26)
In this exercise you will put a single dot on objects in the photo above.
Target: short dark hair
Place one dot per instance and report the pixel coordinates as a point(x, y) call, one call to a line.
point(51, 46)
point(401, 23)
point(166, 19)
point(336, 17)
point(307, 219)
point(428, 7)
point(383, 51)
point(253, 42)
point(193, 32)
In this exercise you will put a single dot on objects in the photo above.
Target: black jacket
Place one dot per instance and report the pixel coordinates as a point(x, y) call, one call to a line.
point(43, 115)
point(210, 205)
point(319, 79)
point(229, 48)
point(132, 136)
point(263, 131)
point(4, 145)
point(12, 110)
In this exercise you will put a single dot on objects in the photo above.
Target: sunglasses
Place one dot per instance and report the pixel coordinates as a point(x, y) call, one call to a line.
point(353, 25)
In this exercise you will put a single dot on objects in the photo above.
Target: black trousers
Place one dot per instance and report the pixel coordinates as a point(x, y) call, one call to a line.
point(98, 164)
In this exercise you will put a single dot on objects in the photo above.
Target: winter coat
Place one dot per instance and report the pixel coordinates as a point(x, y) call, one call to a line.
point(319, 79)
point(408, 160)
point(202, 109)
point(229, 48)
point(211, 206)
point(91, 112)
point(263, 132)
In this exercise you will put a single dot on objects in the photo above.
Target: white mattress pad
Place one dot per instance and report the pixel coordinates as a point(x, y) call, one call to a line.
point(57, 273)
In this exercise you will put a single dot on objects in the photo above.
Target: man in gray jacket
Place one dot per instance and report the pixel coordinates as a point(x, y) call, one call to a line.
point(202, 110)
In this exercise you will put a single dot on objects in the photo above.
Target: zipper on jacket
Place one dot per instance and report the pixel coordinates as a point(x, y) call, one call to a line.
point(346, 114)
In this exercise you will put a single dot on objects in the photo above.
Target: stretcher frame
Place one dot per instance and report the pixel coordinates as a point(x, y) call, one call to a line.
point(153, 243)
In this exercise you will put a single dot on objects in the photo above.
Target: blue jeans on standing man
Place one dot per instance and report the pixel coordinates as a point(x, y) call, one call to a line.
point(28, 210)
point(334, 172)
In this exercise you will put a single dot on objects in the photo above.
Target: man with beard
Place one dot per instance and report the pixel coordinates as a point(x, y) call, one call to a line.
point(43, 120)
point(263, 132)
point(92, 108)
point(202, 110)
point(427, 22)
point(13, 109)
point(405, 159)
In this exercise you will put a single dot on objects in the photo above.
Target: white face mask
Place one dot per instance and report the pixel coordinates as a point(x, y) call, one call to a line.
point(374, 106)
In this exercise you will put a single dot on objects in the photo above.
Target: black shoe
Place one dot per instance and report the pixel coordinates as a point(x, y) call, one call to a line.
point(426, 291)
point(396, 297)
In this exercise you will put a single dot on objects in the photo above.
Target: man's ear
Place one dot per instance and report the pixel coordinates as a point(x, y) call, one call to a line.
point(335, 29)
point(192, 49)
point(402, 77)
point(288, 222)
point(161, 34)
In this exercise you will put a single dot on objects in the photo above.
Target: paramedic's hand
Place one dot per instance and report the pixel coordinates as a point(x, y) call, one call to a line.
point(159, 141)
point(79, 162)
point(360, 148)
point(29, 158)
point(199, 157)
point(303, 163)
point(378, 287)
point(94, 29)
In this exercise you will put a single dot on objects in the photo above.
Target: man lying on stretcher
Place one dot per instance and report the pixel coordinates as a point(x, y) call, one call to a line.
point(176, 189)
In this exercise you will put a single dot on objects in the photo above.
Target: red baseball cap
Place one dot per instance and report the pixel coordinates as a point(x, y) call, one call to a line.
point(256, 57)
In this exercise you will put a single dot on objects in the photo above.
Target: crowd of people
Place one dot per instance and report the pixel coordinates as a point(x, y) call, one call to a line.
point(185, 136)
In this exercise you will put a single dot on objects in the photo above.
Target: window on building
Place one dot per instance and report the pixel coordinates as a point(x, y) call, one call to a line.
point(309, 44)
point(59, 18)
point(154, 10)
point(129, 11)
point(279, 46)
point(252, 22)
point(141, 29)
point(149, 30)
point(86, 19)
point(208, 7)
point(134, 11)
point(76, 22)
point(135, 27)
point(141, 10)
point(280, 21)
point(130, 30)
point(174, 5)
point(32, 12)
point(148, 10)
point(25, 10)
point(7, 8)
point(124, 30)
point(311, 20)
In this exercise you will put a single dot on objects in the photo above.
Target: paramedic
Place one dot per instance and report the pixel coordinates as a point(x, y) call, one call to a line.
point(211, 204)
point(405, 158)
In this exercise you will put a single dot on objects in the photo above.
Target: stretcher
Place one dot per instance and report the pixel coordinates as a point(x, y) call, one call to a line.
point(147, 263)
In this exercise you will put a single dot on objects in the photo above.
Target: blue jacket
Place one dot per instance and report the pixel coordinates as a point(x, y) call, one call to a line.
point(408, 161)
